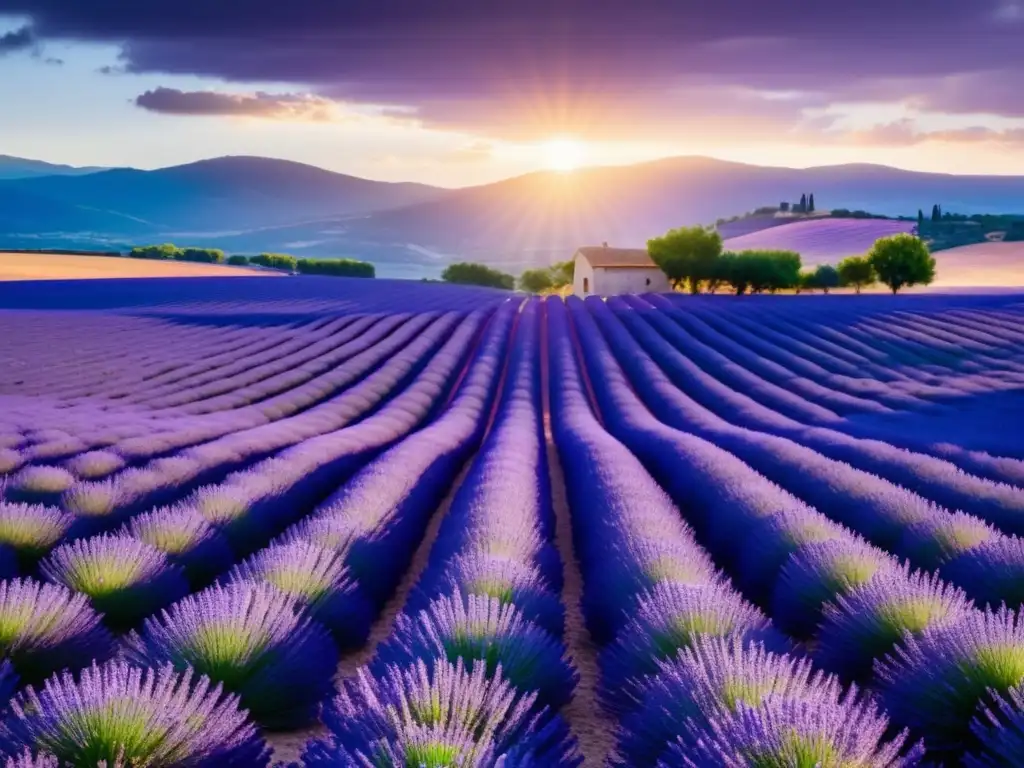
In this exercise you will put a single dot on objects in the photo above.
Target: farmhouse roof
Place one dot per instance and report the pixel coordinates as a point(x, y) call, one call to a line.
point(610, 258)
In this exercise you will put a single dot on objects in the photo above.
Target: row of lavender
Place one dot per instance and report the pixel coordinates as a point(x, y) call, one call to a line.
point(936, 662)
point(475, 665)
point(258, 632)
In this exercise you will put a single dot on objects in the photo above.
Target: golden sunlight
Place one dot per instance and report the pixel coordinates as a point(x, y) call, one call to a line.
point(563, 154)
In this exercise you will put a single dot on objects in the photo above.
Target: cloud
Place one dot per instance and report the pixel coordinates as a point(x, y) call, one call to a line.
point(535, 67)
point(906, 133)
point(289, 106)
point(18, 40)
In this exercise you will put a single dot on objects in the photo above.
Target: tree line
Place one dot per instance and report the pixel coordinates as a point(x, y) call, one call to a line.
point(693, 258)
point(531, 280)
point(281, 261)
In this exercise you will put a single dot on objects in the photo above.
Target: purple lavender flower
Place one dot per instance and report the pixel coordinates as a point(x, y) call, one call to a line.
point(119, 713)
point(92, 499)
point(95, 464)
point(772, 540)
point(865, 624)
point(482, 628)
point(708, 680)
point(39, 484)
point(780, 731)
point(251, 638)
point(186, 538)
point(418, 712)
point(43, 760)
point(508, 580)
point(673, 617)
point(126, 579)
point(992, 573)
point(932, 542)
point(818, 573)
point(31, 530)
point(318, 580)
point(46, 627)
point(1000, 731)
point(10, 461)
point(935, 683)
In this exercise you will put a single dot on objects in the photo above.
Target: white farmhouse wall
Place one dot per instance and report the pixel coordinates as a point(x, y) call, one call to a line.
point(583, 273)
point(615, 281)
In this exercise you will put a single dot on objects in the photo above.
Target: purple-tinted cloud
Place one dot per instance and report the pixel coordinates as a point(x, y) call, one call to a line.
point(171, 101)
point(564, 63)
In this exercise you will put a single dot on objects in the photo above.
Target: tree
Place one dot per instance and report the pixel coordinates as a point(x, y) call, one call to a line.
point(764, 271)
point(810, 203)
point(535, 280)
point(920, 217)
point(562, 273)
point(825, 277)
point(687, 254)
point(936, 213)
point(803, 203)
point(902, 261)
point(238, 260)
point(856, 271)
point(467, 273)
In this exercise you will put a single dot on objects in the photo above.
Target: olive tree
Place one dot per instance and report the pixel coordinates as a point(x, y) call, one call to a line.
point(902, 261)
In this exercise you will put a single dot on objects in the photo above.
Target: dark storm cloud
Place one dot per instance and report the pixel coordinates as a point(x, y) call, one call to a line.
point(18, 40)
point(171, 101)
point(460, 60)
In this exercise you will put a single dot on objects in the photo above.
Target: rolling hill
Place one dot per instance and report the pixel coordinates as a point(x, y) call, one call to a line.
point(228, 193)
point(23, 168)
point(253, 204)
point(820, 241)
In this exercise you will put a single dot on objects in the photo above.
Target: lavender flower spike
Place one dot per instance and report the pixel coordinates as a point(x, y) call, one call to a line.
point(318, 579)
point(46, 627)
point(119, 713)
point(864, 625)
point(31, 530)
point(708, 680)
point(254, 640)
point(935, 683)
point(482, 628)
point(1000, 729)
point(126, 579)
point(799, 733)
point(409, 708)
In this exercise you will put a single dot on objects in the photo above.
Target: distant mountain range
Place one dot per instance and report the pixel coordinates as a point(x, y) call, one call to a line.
point(251, 204)
point(21, 168)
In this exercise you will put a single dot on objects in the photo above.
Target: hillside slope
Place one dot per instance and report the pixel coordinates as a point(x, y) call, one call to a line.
point(228, 193)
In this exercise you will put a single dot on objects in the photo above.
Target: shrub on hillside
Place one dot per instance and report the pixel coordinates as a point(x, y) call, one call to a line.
point(823, 278)
point(201, 255)
point(165, 252)
point(761, 271)
point(535, 280)
point(336, 267)
point(467, 273)
point(275, 261)
point(856, 271)
point(238, 260)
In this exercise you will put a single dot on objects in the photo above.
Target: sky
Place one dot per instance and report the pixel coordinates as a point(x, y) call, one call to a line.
point(462, 92)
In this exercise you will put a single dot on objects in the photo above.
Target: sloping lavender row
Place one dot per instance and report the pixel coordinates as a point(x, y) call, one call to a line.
point(756, 531)
point(475, 638)
point(696, 673)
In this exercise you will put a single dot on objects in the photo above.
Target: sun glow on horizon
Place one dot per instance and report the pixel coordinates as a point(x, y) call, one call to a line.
point(563, 154)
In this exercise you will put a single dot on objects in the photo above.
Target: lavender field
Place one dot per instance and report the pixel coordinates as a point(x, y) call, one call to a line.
point(821, 241)
point(330, 522)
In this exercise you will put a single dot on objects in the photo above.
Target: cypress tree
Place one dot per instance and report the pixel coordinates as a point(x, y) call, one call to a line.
point(803, 203)
point(810, 203)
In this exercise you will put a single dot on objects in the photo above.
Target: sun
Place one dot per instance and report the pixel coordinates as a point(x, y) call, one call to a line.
point(563, 154)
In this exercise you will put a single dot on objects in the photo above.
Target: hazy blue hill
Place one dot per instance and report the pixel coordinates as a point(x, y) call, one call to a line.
point(229, 193)
point(23, 168)
point(247, 204)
